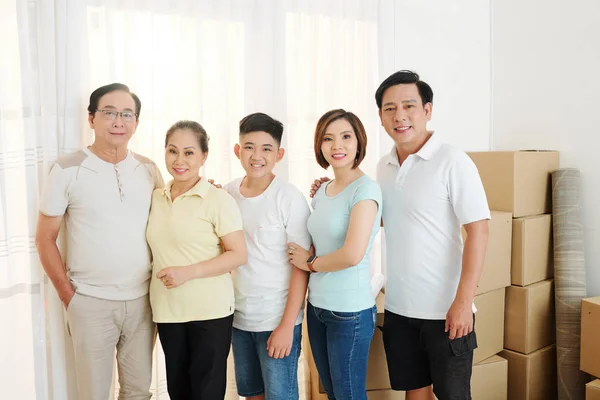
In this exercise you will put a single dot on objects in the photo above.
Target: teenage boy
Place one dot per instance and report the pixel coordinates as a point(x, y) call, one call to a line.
point(269, 291)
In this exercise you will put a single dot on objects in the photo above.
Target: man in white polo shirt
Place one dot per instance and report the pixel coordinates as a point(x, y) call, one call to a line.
point(430, 190)
point(103, 193)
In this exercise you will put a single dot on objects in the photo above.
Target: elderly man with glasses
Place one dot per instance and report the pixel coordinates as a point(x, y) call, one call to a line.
point(103, 194)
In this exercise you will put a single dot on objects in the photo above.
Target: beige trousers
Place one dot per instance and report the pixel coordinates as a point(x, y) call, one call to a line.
point(97, 328)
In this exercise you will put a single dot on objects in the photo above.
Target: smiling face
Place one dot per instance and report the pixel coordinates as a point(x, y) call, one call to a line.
point(258, 153)
point(183, 155)
point(340, 145)
point(403, 114)
point(113, 133)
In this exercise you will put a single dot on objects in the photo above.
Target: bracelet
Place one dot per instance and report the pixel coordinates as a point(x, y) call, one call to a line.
point(310, 264)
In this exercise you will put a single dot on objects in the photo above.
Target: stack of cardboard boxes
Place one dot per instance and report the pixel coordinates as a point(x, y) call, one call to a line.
point(590, 345)
point(520, 183)
point(490, 372)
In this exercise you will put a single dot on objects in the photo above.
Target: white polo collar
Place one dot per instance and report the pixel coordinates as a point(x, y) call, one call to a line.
point(426, 152)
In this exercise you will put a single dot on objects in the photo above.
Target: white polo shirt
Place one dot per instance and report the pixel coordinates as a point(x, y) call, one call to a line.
point(426, 200)
point(106, 210)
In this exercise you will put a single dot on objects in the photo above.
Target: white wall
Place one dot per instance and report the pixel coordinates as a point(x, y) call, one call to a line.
point(448, 44)
point(546, 94)
point(510, 74)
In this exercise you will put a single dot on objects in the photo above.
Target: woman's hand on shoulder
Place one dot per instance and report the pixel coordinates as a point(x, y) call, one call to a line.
point(316, 185)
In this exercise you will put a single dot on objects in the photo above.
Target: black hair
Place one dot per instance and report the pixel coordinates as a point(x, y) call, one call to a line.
point(113, 87)
point(262, 122)
point(193, 126)
point(357, 126)
point(404, 77)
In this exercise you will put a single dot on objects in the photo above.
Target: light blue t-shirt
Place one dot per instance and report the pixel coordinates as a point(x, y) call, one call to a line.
point(348, 290)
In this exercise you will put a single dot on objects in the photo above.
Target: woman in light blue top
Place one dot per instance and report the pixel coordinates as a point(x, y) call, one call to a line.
point(347, 213)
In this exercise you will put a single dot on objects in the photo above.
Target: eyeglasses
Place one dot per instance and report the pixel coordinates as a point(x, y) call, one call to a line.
point(126, 116)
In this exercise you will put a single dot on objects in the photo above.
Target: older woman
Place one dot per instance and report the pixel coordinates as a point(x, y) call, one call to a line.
point(195, 234)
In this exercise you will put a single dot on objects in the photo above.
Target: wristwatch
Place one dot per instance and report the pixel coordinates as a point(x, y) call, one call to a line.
point(311, 260)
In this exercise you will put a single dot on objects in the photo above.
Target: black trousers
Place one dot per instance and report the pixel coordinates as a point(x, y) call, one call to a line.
point(196, 358)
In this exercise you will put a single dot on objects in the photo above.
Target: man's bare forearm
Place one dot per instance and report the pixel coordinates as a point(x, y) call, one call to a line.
point(55, 268)
point(472, 263)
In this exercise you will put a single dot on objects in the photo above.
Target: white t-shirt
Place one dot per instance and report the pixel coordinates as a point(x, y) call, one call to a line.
point(426, 201)
point(106, 210)
point(271, 220)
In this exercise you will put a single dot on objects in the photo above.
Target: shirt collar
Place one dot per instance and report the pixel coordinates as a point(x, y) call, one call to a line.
point(426, 152)
point(199, 189)
point(430, 147)
point(392, 157)
point(98, 160)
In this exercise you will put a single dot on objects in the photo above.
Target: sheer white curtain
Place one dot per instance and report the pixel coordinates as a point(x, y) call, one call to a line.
point(33, 131)
point(210, 61)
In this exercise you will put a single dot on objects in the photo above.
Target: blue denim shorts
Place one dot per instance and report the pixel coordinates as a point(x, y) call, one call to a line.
point(252, 364)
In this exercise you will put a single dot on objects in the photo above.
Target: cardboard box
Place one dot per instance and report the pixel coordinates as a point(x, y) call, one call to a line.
point(496, 266)
point(592, 390)
point(489, 324)
point(590, 335)
point(388, 394)
point(529, 317)
point(490, 379)
point(377, 372)
point(313, 377)
point(517, 181)
point(377, 369)
point(532, 376)
point(532, 250)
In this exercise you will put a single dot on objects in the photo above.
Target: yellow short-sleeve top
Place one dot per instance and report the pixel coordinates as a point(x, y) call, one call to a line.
point(187, 231)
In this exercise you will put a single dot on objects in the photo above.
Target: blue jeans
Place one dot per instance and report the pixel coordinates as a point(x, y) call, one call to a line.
point(340, 344)
point(257, 373)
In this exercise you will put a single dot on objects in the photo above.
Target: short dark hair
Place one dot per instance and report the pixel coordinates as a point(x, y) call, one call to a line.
point(262, 122)
point(193, 126)
point(404, 77)
point(357, 126)
point(113, 87)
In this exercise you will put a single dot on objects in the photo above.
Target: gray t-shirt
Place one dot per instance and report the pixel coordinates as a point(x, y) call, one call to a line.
point(106, 210)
